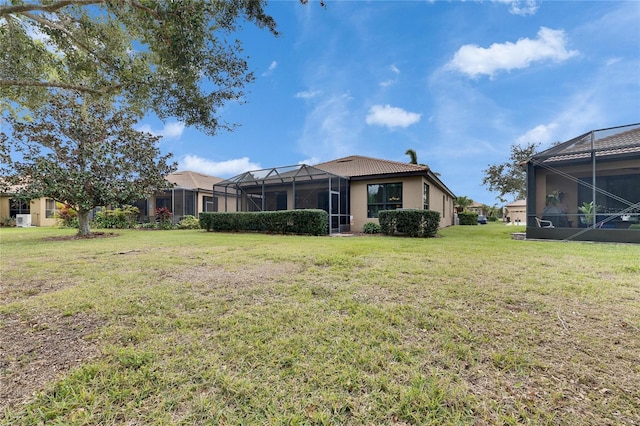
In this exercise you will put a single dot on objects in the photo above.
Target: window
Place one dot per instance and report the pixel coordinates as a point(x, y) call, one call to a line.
point(51, 209)
point(386, 196)
point(210, 204)
point(425, 196)
point(17, 206)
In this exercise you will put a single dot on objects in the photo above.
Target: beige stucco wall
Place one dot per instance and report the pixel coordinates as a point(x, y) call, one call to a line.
point(37, 210)
point(4, 207)
point(412, 188)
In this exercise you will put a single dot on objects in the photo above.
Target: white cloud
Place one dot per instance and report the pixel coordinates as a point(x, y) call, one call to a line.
point(521, 7)
point(549, 45)
point(386, 115)
point(612, 61)
point(388, 83)
point(170, 130)
point(217, 168)
point(395, 69)
point(271, 69)
point(331, 129)
point(308, 94)
point(543, 134)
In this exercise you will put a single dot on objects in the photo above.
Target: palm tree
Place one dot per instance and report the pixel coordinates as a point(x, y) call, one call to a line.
point(463, 202)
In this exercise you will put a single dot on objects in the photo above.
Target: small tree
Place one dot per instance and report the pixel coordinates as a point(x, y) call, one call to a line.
point(83, 153)
point(510, 177)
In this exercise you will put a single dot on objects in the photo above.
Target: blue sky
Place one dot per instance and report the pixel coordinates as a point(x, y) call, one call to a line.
point(459, 82)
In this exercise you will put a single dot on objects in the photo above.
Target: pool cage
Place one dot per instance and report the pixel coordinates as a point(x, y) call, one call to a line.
point(287, 188)
point(587, 188)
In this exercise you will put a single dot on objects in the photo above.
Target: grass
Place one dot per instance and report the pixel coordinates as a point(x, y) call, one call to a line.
point(189, 327)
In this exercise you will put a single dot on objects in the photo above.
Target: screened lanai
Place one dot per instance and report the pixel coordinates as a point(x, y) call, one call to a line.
point(587, 188)
point(287, 188)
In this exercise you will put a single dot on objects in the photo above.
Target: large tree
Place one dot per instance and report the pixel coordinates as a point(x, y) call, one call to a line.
point(175, 58)
point(510, 177)
point(82, 152)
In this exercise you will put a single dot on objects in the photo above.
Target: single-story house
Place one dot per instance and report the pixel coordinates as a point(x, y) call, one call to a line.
point(516, 211)
point(192, 193)
point(351, 189)
point(587, 188)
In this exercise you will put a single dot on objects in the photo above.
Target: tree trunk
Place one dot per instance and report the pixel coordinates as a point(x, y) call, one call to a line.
point(83, 224)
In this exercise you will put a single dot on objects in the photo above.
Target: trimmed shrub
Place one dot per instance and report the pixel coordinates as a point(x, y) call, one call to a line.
point(308, 222)
point(492, 219)
point(414, 223)
point(371, 228)
point(468, 218)
point(635, 226)
point(120, 218)
point(189, 222)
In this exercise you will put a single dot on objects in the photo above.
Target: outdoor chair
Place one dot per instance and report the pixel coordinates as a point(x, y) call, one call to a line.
point(544, 223)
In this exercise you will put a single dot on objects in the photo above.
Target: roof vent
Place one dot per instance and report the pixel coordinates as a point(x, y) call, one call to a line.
point(344, 160)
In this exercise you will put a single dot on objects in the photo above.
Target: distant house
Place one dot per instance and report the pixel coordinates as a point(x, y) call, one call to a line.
point(192, 194)
point(587, 188)
point(478, 208)
point(351, 189)
point(516, 211)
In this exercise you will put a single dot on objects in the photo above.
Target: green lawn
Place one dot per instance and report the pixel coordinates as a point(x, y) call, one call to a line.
point(190, 327)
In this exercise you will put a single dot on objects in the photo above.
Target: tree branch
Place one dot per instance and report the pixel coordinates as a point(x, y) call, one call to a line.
point(53, 7)
point(55, 26)
point(30, 83)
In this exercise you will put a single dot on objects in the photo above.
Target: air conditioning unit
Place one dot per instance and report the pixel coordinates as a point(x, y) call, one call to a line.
point(23, 220)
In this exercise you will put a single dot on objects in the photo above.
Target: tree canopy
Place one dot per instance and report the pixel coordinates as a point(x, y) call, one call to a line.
point(510, 177)
point(463, 202)
point(84, 154)
point(175, 58)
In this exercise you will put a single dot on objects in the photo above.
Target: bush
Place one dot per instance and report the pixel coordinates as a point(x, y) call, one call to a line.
point(8, 221)
point(468, 218)
point(309, 222)
point(414, 223)
point(189, 222)
point(635, 226)
point(492, 219)
point(371, 228)
point(120, 218)
point(66, 216)
point(163, 217)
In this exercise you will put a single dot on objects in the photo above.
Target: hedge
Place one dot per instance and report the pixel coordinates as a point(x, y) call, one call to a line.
point(308, 222)
point(414, 223)
point(468, 218)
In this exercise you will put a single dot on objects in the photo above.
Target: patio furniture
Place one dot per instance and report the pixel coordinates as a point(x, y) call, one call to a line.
point(544, 223)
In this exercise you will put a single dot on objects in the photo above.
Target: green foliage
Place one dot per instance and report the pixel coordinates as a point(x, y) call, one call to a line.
point(468, 218)
point(463, 202)
point(492, 218)
point(414, 223)
point(635, 226)
point(84, 153)
point(66, 216)
point(163, 217)
point(8, 221)
point(510, 177)
point(189, 222)
point(119, 218)
point(371, 228)
point(308, 222)
point(176, 58)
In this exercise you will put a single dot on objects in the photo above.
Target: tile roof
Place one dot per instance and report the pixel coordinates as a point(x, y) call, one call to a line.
point(606, 142)
point(357, 165)
point(192, 180)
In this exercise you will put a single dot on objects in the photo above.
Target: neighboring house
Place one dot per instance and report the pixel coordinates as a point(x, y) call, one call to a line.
point(516, 211)
point(192, 194)
point(478, 208)
point(38, 212)
point(351, 189)
point(600, 168)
